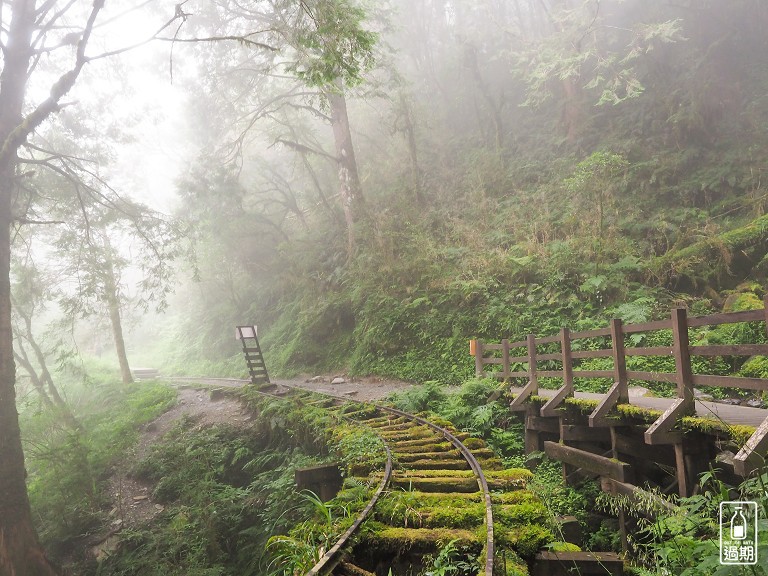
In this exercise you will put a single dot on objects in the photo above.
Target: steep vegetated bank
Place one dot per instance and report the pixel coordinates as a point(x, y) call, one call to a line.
point(69, 462)
point(224, 491)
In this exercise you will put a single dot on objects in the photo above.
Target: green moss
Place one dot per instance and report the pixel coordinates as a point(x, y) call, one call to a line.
point(739, 433)
point(515, 497)
point(563, 547)
point(393, 428)
point(414, 434)
point(490, 464)
point(581, 405)
point(358, 411)
point(526, 540)
point(743, 301)
point(441, 484)
point(474, 443)
point(407, 509)
point(531, 512)
point(437, 473)
point(431, 464)
point(483, 453)
point(638, 413)
point(421, 448)
point(414, 456)
point(515, 566)
point(521, 474)
point(755, 367)
point(399, 540)
point(462, 480)
point(387, 420)
point(442, 422)
point(442, 499)
point(714, 252)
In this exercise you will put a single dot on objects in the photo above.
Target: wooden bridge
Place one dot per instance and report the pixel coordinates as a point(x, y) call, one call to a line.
point(628, 439)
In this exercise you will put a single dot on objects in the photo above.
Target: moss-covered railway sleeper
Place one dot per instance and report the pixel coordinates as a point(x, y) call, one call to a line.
point(423, 446)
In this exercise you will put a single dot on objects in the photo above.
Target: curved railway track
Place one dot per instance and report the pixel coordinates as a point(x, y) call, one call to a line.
point(429, 459)
point(434, 490)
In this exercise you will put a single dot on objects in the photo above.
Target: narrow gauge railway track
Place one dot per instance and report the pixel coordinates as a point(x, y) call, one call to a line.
point(433, 464)
point(431, 495)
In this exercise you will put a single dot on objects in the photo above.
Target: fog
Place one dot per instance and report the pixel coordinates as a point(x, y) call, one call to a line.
point(220, 144)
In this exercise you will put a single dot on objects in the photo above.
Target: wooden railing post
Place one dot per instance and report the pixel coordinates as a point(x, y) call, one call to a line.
point(662, 431)
point(619, 392)
point(682, 356)
point(533, 380)
point(479, 351)
point(533, 384)
point(566, 390)
point(565, 346)
point(619, 361)
point(505, 358)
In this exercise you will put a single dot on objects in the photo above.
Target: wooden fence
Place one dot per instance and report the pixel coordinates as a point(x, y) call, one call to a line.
point(521, 360)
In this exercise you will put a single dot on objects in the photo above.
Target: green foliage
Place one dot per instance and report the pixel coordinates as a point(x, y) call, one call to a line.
point(562, 500)
point(332, 44)
point(219, 486)
point(361, 449)
point(468, 409)
point(686, 540)
point(66, 467)
point(427, 396)
point(449, 561)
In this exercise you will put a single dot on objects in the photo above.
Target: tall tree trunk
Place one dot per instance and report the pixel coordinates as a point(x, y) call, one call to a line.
point(351, 190)
point(20, 550)
point(44, 378)
point(572, 113)
point(470, 58)
point(413, 150)
point(112, 297)
point(117, 334)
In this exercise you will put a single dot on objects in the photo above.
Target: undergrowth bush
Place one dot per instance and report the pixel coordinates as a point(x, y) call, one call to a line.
point(685, 540)
point(225, 490)
point(67, 465)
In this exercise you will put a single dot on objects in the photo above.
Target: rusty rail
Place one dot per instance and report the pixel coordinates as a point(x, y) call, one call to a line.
point(476, 468)
point(330, 557)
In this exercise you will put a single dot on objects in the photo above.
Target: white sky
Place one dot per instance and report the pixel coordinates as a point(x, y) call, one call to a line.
point(133, 91)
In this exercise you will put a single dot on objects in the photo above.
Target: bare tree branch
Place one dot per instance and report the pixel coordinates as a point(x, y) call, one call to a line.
point(51, 104)
point(305, 149)
point(245, 40)
point(23, 220)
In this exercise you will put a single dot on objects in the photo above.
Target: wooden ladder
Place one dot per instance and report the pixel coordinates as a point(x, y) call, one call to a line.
point(253, 356)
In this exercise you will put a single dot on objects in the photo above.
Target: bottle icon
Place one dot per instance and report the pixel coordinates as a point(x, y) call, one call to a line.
point(738, 525)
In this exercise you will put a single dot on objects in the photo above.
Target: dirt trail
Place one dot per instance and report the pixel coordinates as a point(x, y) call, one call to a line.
point(368, 388)
point(132, 498)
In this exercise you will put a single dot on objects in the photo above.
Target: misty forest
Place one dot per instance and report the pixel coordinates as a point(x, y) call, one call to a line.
point(375, 184)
